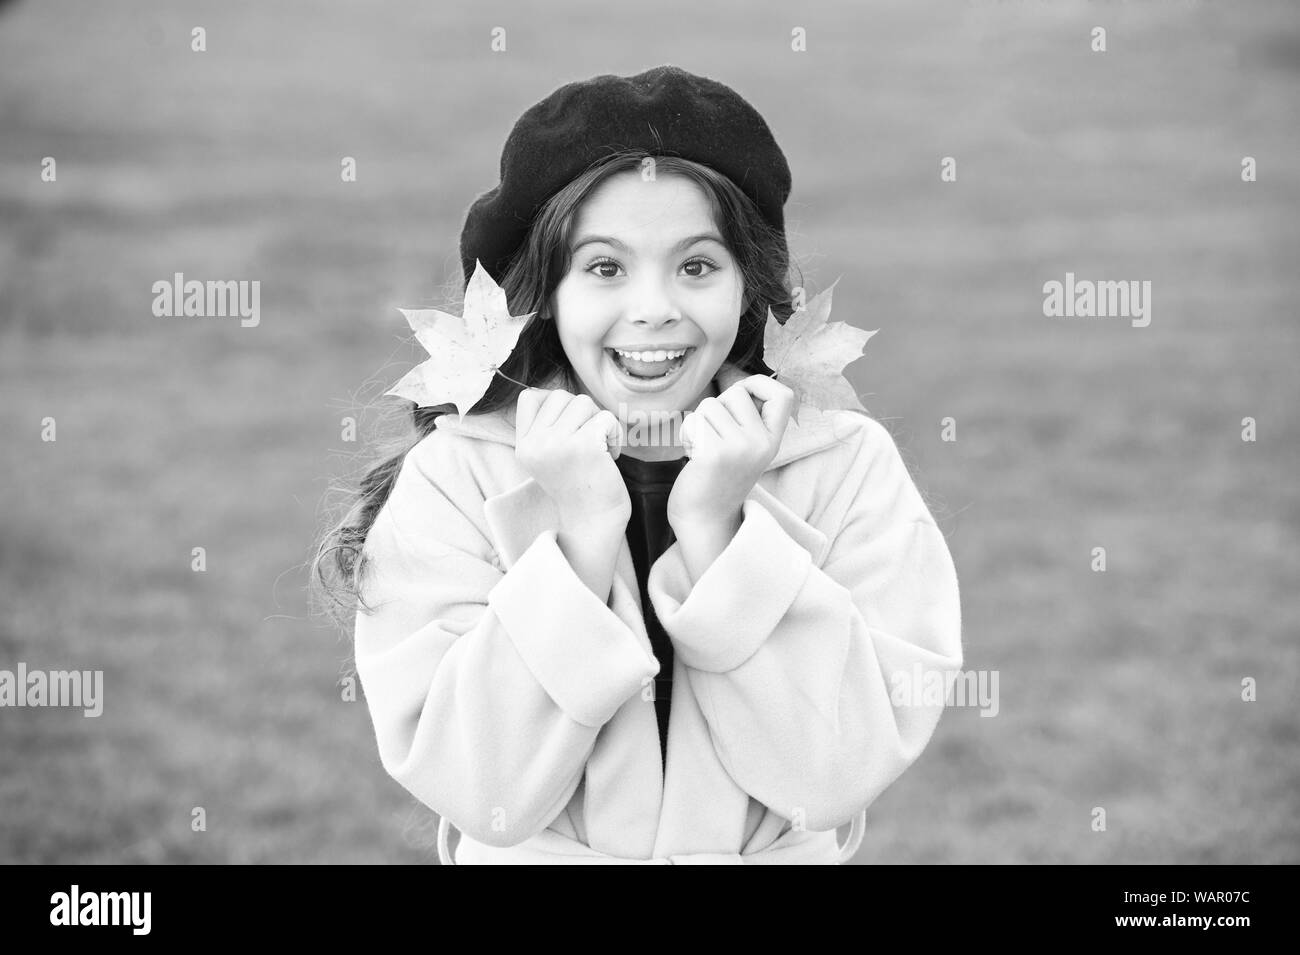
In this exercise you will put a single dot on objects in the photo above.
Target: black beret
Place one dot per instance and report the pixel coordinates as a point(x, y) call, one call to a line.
point(666, 111)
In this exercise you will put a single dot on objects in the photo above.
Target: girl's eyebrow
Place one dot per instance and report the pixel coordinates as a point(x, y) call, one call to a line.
point(610, 240)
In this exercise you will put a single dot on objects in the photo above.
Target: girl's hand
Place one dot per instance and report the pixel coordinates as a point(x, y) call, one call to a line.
point(730, 444)
point(567, 444)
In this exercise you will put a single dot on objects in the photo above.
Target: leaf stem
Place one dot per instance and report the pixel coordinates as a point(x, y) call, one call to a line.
point(508, 378)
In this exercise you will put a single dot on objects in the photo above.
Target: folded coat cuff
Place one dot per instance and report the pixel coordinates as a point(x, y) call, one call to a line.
point(739, 600)
point(579, 650)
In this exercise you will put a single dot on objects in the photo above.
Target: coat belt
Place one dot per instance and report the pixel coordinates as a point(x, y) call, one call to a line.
point(554, 848)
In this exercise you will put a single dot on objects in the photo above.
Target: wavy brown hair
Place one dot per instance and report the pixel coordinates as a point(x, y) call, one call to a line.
point(761, 254)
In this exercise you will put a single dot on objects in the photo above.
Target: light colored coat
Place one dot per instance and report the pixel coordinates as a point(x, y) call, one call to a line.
point(508, 698)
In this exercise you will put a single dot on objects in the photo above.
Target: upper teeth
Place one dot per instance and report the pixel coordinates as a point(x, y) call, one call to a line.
point(651, 355)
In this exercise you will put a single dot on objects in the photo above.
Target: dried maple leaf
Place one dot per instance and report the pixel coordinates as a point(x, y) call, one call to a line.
point(464, 351)
point(809, 353)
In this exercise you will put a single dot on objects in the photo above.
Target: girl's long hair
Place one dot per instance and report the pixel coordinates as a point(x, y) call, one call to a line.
point(760, 251)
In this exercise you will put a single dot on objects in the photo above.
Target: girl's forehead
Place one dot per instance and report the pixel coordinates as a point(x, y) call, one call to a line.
point(630, 206)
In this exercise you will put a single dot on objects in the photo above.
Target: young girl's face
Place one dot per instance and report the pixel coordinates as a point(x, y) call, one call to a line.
point(650, 275)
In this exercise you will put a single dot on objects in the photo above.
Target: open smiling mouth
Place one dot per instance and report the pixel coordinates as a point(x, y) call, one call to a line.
point(649, 366)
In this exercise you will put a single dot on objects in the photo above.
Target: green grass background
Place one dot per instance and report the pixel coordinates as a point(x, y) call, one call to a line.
point(1119, 690)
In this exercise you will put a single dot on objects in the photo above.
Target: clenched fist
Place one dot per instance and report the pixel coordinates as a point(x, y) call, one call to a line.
point(567, 443)
point(730, 444)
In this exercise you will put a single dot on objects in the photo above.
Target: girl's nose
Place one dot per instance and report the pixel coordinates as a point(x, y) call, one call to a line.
point(652, 304)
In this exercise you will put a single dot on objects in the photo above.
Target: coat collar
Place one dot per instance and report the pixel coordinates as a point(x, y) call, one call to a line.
point(812, 431)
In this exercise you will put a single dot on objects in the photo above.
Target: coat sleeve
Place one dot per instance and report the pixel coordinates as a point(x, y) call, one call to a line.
point(793, 663)
point(486, 688)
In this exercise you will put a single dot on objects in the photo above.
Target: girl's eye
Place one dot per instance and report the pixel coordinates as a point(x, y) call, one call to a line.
point(695, 262)
point(700, 260)
point(604, 264)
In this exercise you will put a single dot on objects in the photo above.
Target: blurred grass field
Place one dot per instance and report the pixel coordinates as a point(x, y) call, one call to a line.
point(1119, 690)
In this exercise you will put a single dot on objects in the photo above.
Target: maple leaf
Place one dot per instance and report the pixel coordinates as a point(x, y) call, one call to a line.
point(808, 354)
point(465, 350)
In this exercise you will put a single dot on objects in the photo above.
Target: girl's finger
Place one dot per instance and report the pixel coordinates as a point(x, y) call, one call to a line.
point(530, 399)
point(719, 415)
point(695, 431)
point(552, 407)
point(599, 431)
point(778, 402)
point(575, 414)
point(613, 430)
point(743, 408)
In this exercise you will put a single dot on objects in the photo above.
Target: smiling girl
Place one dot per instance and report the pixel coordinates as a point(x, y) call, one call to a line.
point(580, 645)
